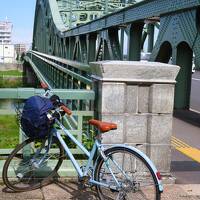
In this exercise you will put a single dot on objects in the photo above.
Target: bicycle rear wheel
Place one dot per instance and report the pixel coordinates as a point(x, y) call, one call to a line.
point(133, 173)
point(31, 165)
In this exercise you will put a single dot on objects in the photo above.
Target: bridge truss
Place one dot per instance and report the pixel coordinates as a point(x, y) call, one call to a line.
point(78, 12)
point(171, 29)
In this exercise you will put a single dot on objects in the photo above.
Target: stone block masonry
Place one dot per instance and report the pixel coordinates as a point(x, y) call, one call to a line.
point(139, 97)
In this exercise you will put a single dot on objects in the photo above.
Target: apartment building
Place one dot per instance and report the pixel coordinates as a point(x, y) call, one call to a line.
point(7, 50)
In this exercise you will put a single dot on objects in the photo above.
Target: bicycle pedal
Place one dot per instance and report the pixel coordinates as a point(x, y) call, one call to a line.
point(83, 179)
point(93, 187)
point(81, 186)
point(113, 190)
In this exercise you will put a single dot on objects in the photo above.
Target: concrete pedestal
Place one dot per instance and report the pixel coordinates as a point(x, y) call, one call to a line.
point(139, 97)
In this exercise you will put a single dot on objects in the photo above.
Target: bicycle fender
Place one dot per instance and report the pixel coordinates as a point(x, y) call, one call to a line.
point(144, 156)
point(151, 164)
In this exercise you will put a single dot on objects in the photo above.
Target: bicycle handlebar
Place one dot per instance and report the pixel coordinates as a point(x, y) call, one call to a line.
point(66, 110)
point(62, 106)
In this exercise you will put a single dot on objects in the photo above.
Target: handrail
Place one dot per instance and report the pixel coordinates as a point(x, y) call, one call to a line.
point(64, 94)
point(75, 64)
point(24, 93)
point(78, 71)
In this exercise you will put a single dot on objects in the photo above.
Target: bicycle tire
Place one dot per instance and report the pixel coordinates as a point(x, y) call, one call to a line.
point(15, 177)
point(134, 186)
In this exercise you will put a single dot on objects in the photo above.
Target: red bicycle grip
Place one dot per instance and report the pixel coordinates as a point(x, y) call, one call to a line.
point(44, 86)
point(67, 110)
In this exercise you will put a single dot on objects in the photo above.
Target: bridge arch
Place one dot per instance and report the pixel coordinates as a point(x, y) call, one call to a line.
point(184, 56)
point(165, 52)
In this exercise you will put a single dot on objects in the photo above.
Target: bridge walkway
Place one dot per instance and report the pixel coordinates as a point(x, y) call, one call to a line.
point(70, 190)
point(186, 152)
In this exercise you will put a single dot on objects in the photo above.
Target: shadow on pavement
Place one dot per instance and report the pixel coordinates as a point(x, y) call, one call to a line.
point(185, 166)
point(188, 116)
point(77, 192)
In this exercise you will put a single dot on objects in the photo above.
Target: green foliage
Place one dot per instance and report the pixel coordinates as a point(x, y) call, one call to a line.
point(88, 139)
point(69, 142)
point(88, 133)
point(9, 131)
point(10, 83)
point(11, 73)
point(9, 128)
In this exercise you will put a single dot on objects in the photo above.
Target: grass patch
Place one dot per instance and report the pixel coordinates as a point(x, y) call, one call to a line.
point(10, 83)
point(11, 73)
point(9, 131)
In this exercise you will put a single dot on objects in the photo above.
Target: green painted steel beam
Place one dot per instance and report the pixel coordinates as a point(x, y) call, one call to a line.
point(37, 72)
point(24, 93)
point(82, 11)
point(137, 12)
point(150, 31)
point(75, 64)
point(75, 94)
point(5, 151)
point(69, 72)
point(135, 41)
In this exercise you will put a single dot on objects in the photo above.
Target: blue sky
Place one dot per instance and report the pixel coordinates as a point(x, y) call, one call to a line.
point(21, 14)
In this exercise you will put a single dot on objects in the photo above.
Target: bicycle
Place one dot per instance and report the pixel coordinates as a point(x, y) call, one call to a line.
point(119, 172)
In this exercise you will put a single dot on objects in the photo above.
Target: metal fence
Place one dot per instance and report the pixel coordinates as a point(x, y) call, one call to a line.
point(72, 77)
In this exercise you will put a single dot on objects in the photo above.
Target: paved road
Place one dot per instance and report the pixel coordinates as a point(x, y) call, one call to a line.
point(183, 168)
point(66, 191)
point(195, 92)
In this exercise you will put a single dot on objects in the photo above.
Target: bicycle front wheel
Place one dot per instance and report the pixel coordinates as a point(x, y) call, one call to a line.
point(128, 176)
point(32, 164)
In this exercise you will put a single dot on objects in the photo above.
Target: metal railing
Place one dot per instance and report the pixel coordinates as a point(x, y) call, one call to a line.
point(61, 73)
point(76, 93)
point(80, 117)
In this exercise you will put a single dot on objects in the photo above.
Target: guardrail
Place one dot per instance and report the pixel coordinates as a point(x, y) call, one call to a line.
point(78, 125)
point(72, 77)
point(24, 93)
point(61, 73)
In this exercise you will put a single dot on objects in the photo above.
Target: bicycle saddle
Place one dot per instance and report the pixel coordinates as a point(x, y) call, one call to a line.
point(103, 126)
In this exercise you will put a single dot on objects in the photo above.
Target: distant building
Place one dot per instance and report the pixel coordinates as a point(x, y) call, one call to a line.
point(7, 53)
point(5, 32)
point(7, 50)
point(20, 48)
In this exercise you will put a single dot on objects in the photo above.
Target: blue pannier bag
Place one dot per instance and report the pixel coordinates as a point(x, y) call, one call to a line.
point(34, 121)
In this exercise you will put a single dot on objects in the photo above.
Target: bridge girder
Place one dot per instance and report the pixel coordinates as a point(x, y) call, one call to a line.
point(103, 38)
point(74, 13)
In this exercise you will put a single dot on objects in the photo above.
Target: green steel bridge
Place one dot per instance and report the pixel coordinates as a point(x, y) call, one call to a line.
point(80, 32)
point(69, 34)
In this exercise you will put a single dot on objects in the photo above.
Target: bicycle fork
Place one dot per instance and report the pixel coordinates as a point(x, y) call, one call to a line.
point(106, 161)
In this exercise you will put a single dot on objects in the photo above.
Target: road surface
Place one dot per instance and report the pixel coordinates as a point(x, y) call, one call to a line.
point(195, 92)
point(185, 169)
point(186, 130)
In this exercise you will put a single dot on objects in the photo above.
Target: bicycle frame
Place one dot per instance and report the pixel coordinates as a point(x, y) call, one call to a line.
point(90, 155)
point(97, 146)
point(117, 168)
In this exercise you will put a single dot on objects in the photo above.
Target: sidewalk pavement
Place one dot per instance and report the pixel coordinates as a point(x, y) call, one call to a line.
point(70, 190)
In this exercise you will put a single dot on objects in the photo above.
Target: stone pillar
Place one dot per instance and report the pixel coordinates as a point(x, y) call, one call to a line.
point(139, 97)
